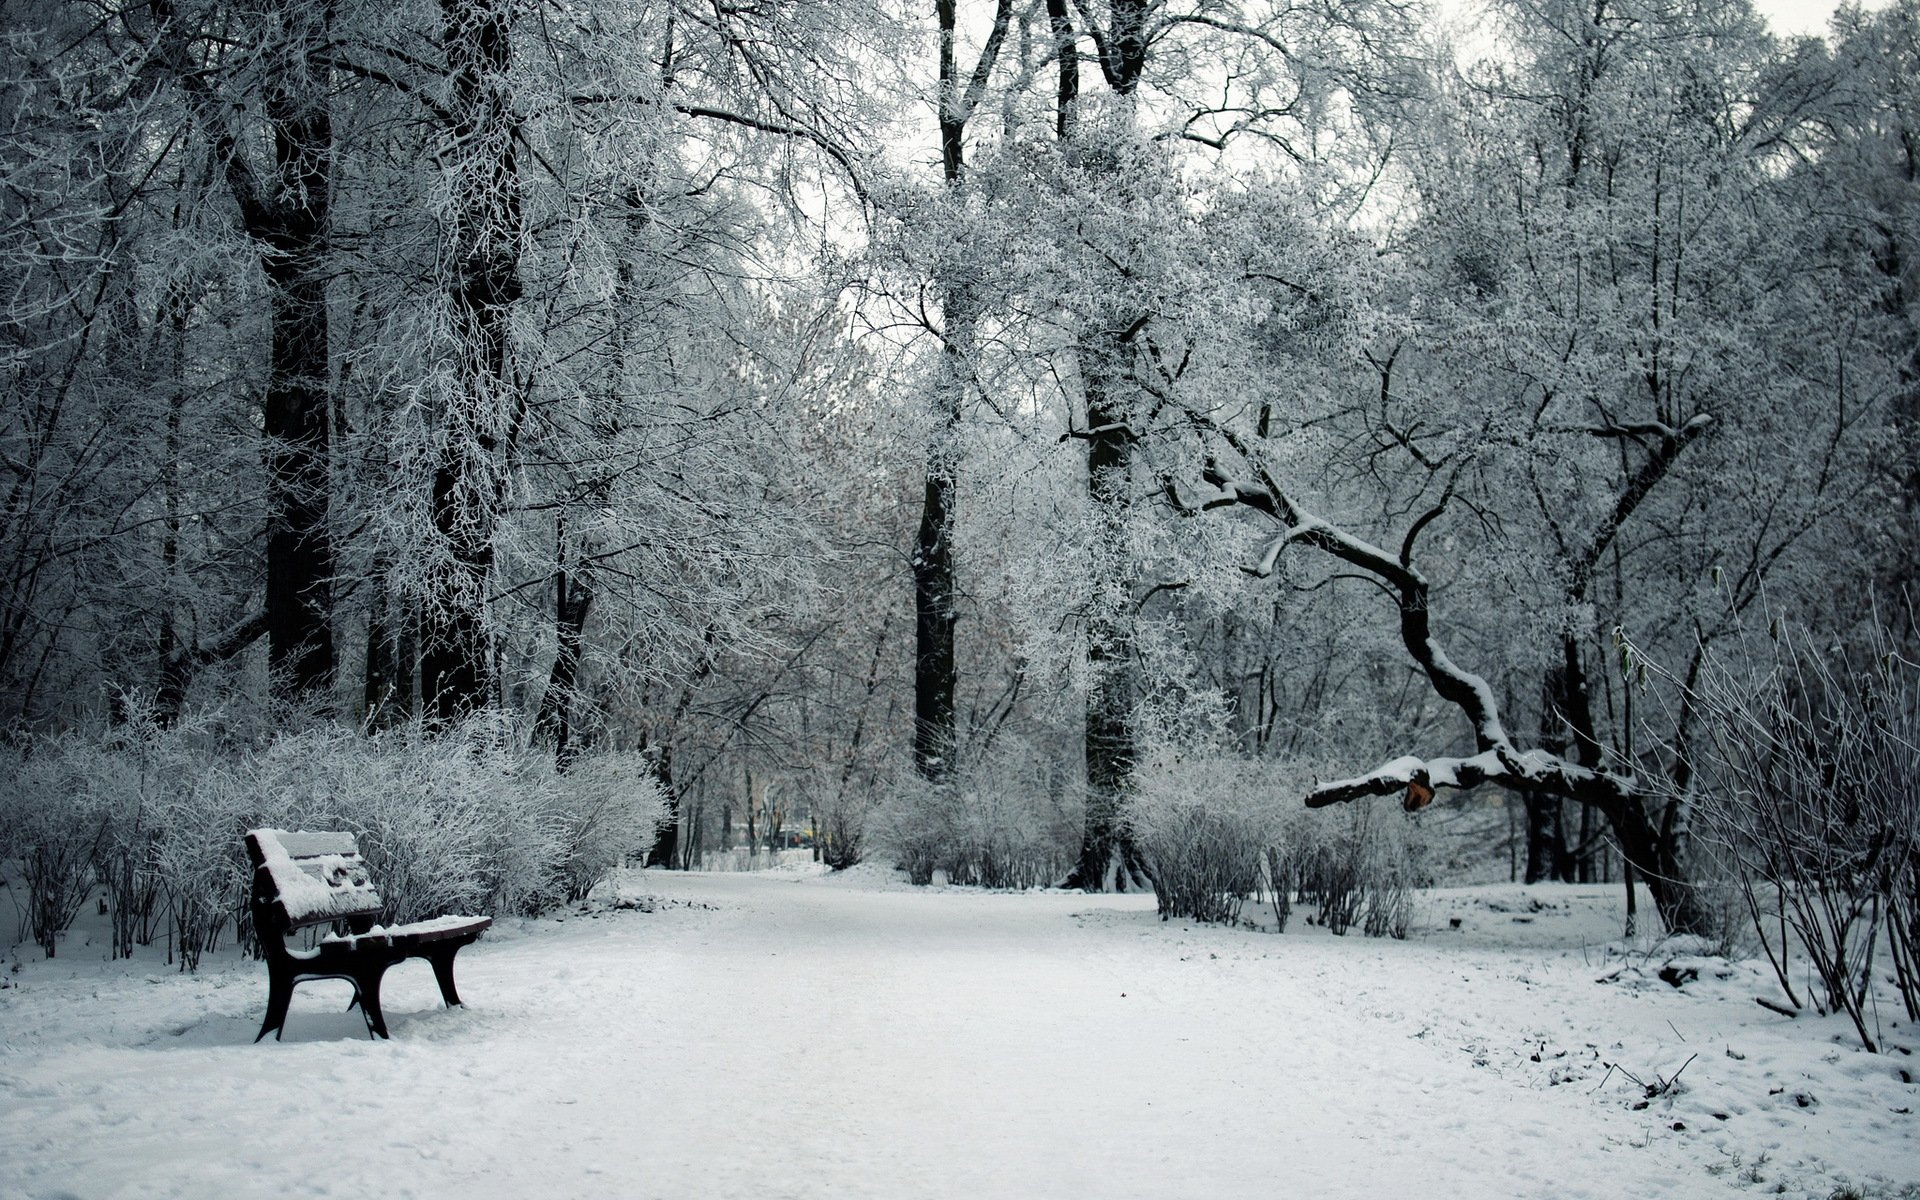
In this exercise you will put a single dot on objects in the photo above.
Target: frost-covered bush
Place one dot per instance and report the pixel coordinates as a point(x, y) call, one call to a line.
point(56, 825)
point(467, 821)
point(471, 820)
point(1001, 824)
point(610, 805)
point(842, 802)
point(1203, 824)
point(1804, 769)
point(1358, 863)
point(197, 857)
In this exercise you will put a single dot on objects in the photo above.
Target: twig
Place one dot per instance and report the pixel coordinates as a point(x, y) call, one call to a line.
point(1782, 1009)
point(1666, 1085)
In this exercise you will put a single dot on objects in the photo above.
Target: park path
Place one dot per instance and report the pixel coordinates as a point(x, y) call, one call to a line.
point(789, 1036)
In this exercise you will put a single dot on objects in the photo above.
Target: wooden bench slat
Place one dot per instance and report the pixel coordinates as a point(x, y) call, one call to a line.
point(317, 877)
point(418, 932)
point(299, 843)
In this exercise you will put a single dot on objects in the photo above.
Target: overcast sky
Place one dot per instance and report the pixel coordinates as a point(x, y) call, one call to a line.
point(1798, 16)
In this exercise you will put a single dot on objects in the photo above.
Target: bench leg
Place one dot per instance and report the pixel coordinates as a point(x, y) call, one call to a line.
point(279, 996)
point(442, 961)
point(366, 985)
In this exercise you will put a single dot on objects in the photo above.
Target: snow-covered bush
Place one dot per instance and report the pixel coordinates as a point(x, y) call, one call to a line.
point(1356, 864)
point(470, 820)
point(1203, 824)
point(611, 805)
point(1218, 830)
point(55, 827)
point(197, 857)
point(1001, 824)
point(842, 801)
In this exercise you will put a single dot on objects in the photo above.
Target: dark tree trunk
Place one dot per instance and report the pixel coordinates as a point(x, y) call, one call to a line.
point(673, 846)
point(665, 851)
point(1544, 848)
point(286, 213)
point(935, 670)
point(573, 599)
point(480, 266)
point(300, 650)
point(388, 690)
point(170, 696)
point(1108, 858)
point(1653, 853)
point(935, 673)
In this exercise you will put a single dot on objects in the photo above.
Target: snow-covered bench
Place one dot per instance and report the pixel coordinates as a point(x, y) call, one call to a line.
point(302, 879)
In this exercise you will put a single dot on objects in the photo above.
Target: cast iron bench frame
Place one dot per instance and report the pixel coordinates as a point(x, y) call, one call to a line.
point(303, 879)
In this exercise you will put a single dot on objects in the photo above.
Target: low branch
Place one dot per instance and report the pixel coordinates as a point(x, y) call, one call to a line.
point(1496, 758)
point(233, 640)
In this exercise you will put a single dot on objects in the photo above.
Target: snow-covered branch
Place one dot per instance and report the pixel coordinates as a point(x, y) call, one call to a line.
point(1496, 758)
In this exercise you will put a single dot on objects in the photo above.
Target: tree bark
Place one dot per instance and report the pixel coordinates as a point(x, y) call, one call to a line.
point(297, 412)
point(935, 669)
point(1108, 858)
point(286, 215)
point(573, 600)
point(480, 265)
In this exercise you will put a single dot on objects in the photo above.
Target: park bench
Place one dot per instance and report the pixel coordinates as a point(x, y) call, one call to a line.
point(303, 879)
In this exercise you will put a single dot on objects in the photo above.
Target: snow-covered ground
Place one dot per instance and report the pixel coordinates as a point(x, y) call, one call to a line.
point(789, 1035)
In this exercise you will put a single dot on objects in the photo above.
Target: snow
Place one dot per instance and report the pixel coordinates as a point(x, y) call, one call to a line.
point(797, 1035)
point(318, 883)
point(379, 933)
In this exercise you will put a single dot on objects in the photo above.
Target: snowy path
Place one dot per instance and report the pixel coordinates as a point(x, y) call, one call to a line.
point(782, 1037)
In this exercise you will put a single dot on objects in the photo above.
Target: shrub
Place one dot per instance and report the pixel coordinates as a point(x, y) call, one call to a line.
point(56, 825)
point(1357, 864)
point(470, 820)
point(1803, 778)
point(1000, 824)
point(611, 806)
point(1202, 824)
point(841, 800)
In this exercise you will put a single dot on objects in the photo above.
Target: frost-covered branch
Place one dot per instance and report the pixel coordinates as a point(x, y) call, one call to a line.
point(1497, 759)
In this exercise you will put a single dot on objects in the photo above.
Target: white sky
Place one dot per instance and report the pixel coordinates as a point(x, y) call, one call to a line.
point(1798, 16)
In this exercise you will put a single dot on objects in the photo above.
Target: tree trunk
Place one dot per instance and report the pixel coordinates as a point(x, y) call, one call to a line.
point(170, 696)
point(1108, 857)
point(286, 215)
point(295, 420)
point(1544, 849)
point(665, 851)
point(388, 687)
point(573, 599)
point(480, 266)
point(1652, 853)
point(935, 673)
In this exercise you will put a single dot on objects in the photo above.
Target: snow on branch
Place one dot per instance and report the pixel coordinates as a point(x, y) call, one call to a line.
point(1689, 429)
point(1496, 758)
point(1530, 770)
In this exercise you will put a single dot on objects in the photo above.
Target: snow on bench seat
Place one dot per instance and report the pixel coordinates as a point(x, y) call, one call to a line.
point(417, 931)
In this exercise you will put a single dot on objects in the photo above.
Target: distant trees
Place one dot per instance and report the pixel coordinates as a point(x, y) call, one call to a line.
point(615, 364)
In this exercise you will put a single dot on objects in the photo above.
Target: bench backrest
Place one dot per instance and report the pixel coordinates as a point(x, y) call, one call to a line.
point(304, 879)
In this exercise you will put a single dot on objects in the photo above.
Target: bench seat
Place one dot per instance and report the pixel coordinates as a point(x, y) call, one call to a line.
point(412, 934)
